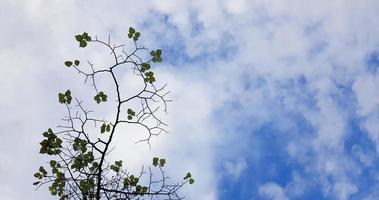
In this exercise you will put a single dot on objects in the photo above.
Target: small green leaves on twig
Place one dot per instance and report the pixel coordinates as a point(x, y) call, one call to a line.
point(83, 39)
point(141, 190)
point(69, 63)
point(100, 97)
point(130, 181)
point(87, 185)
point(133, 34)
point(65, 98)
point(189, 178)
point(145, 67)
point(51, 145)
point(155, 161)
point(157, 55)
point(131, 114)
point(57, 187)
point(54, 166)
point(94, 167)
point(149, 77)
point(116, 166)
point(82, 160)
point(161, 162)
point(105, 127)
point(80, 144)
point(40, 174)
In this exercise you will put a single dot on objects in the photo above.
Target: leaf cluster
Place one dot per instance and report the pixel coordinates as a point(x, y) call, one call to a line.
point(87, 186)
point(40, 174)
point(70, 63)
point(83, 39)
point(159, 161)
point(133, 34)
point(57, 187)
point(65, 97)
point(80, 144)
point(116, 167)
point(189, 178)
point(105, 127)
point(100, 97)
point(131, 114)
point(132, 181)
point(157, 55)
point(51, 145)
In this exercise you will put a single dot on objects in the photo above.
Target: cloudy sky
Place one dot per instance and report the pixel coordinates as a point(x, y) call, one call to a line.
point(273, 100)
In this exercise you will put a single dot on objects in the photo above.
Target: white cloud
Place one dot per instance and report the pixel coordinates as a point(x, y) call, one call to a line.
point(234, 168)
point(344, 190)
point(271, 43)
point(365, 88)
point(272, 191)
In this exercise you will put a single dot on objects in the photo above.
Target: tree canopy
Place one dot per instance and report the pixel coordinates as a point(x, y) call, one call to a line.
point(78, 151)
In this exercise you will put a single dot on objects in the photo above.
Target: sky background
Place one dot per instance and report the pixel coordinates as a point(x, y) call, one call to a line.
point(273, 100)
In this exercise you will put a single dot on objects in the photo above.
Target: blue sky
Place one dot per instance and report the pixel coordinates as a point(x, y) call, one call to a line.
point(273, 100)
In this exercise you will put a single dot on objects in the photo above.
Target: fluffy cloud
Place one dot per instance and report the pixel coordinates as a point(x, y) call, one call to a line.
point(272, 191)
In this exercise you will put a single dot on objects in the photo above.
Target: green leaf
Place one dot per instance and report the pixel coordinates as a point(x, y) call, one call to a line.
point(78, 38)
point(155, 161)
point(187, 176)
point(152, 53)
point(191, 181)
point(150, 73)
point(158, 52)
point(68, 63)
point(129, 111)
point(130, 117)
point(126, 182)
point(132, 30)
point(53, 163)
point(137, 34)
point(69, 98)
point(42, 170)
point(61, 98)
point(97, 98)
point(145, 67)
point(133, 180)
point(88, 38)
point(77, 62)
point(119, 163)
point(82, 44)
point(108, 128)
point(102, 128)
point(162, 162)
point(115, 168)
